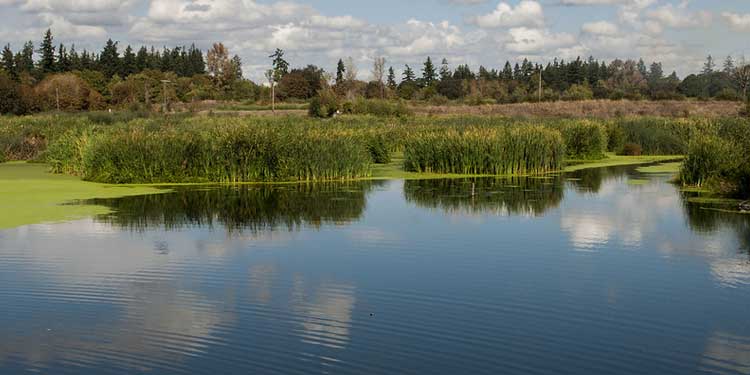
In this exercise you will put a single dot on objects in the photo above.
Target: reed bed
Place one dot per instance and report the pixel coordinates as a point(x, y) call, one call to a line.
point(720, 161)
point(496, 151)
point(138, 149)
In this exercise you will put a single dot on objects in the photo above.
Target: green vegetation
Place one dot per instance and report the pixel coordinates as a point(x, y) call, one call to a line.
point(671, 168)
point(135, 148)
point(620, 160)
point(29, 195)
point(59, 77)
point(497, 151)
point(720, 161)
point(262, 107)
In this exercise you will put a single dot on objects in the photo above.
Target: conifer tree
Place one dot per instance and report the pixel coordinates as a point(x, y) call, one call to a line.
point(7, 61)
point(109, 60)
point(709, 66)
point(340, 70)
point(47, 50)
point(63, 62)
point(445, 71)
point(391, 79)
point(429, 75)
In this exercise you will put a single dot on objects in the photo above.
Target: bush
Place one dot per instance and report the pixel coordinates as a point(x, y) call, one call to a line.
point(578, 92)
point(324, 105)
point(707, 159)
point(377, 107)
point(585, 140)
point(68, 91)
point(631, 149)
point(728, 95)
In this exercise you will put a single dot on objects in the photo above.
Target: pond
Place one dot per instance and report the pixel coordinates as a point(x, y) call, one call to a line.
point(603, 271)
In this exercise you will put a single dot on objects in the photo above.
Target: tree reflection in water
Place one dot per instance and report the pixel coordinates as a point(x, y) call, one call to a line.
point(242, 208)
point(505, 196)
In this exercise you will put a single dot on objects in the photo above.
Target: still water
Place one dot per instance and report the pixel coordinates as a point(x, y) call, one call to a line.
point(601, 272)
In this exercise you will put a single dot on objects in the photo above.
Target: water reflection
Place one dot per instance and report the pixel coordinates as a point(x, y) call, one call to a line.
point(240, 208)
point(531, 276)
point(727, 353)
point(501, 196)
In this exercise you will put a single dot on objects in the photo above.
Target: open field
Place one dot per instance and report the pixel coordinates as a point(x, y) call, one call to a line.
point(605, 109)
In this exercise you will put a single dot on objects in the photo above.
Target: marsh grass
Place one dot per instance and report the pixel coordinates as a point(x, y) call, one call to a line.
point(170, 149)
point(498, 151)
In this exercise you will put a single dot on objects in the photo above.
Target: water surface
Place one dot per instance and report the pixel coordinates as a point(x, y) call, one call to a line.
point(582, 273)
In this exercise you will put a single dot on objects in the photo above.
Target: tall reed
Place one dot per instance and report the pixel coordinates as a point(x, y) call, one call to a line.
point(481, 150)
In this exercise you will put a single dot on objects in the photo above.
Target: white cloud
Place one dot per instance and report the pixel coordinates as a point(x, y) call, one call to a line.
point(527, 40)
point(526, 13)
point(738, 22)
point(600, 28)
point(680, 17)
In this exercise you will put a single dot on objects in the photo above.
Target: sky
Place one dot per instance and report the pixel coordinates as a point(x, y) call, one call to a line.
point(677, 33)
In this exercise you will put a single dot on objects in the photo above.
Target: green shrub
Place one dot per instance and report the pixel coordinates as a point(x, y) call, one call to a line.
point(631, 149)
point(324, 105)
point(707, 158)
point(585, 140)
point(578, 92)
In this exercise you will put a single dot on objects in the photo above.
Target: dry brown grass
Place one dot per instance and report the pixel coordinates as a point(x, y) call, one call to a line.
point(592, 108)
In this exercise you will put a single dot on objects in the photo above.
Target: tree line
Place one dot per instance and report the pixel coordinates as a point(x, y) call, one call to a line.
point(60, 77)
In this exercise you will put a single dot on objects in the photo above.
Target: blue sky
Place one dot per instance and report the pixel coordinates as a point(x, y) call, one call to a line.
point(678, 33)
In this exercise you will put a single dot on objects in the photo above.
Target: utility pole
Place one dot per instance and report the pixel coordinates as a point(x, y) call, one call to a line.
point(270, 76)
point(164, 92)
point(540, 84)
point(273, 96)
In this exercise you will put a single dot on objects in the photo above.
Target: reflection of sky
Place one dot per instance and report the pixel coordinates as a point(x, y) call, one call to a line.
point(608, 282)
point(647, 217)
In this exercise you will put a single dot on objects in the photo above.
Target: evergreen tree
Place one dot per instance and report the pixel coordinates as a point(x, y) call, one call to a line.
point(24, 59)
point(75, 60)
point(166, 63)
point(340, 70)
point(445, 70)
point(391, 78)
point(7, 61)
point(109, 59)
point(237, 67)
point(141, 59)
point(463, 72)
point(656, 73)
point(592, 71)
point(429, 75)
point(642, 68)
point(729, 65)
point(507, 74)
point(408, 75)
point(709, 66)
point(129, 65)
point(63, 61)
point(86, 60)
point(47, 50)
point(197, 64)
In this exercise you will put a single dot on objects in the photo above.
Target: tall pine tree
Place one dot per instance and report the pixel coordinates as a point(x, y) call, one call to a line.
point(47, 50)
